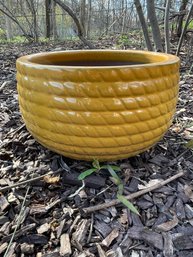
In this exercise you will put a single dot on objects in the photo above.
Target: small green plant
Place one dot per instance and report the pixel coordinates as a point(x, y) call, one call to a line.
point(124, 40)
point(190, 24)
point(116, 180)
point(189, 144)
point(2, 34)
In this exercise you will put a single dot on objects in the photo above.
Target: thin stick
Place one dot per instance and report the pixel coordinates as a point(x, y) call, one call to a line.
point(19, 232)
point(184, 30)
point(16, 130)
point(26, 181)
point(166, 26)
point(134, 195)
point(18, 223)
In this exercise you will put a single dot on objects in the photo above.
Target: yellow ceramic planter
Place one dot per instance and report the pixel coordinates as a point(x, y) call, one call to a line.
point(98, 104)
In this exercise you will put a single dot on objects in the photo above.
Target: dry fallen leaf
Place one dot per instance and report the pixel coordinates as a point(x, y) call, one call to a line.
point(68, 210)
point(188, 192)
point(187, 134)
point(149, 184)
point(11, 198)
point(191, 222)
point(190, 129)
point(43, 228)
point(65, 245)
point(51, 180)
point(167, 226)
point(123, 217)
point(176, 129)
point(101, 252)
point(108, 240)
point(134, 254)
point(3, 203)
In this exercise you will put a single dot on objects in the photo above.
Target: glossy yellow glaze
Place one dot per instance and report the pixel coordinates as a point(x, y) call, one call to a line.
point(98, 112)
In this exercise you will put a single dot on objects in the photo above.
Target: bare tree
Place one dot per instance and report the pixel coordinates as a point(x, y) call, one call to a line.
point(31, 6)
point(184, 29)
point(181, 17)
point(8, 23)
point(48, 25)
point(143, 24)
point(53, 20)
point(166, 26)
point(83, 15)
point(77, 22)
point(5, 10)
point(154, 25)
point(89, 18)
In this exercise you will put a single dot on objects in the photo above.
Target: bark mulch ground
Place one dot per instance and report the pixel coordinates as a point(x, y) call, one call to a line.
point(47, 215)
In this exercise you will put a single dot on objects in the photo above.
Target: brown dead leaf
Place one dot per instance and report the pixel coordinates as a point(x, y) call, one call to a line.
point(108, 240)
point(187, 134)
point(65, 245)
point(43, 228)
point(127, 175)
point(190, 129)
point(3, 203)
point(101, 252)
point(188, 192)
point(149, 184)
point(167, 226)
point(124, 217)
point(51, 180)
point(176, 129)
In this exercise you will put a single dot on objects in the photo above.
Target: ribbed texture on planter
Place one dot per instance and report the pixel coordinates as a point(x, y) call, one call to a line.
point(104, 113)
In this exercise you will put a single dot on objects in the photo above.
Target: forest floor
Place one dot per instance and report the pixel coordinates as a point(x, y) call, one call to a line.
point(53, 221)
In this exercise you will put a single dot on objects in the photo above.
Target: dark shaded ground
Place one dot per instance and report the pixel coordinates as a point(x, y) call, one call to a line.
point(52, 221)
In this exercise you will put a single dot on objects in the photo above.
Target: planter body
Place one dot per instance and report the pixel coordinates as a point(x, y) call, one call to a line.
point(98, 112)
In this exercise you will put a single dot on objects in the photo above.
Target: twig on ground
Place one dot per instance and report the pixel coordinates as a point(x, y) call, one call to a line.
point(17, 130)
point(25, 182)
point(132, 196)
point(78, 190)
point(18, 222)
point(91, 229)
point(20, 232)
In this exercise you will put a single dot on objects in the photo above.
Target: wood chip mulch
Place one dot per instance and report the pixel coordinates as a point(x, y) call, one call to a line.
point(47, 214)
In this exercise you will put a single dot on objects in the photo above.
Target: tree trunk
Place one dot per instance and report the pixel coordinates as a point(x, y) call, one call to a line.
point(77, 22)
point(89, 19)
point(8, 24)
point(154, 25)
point(83, 15)
point(53, 21)
point(114, 17)
point(181, 17)
point(107, 17)
point(31, 6)
point(13, 18)
point(184, 29)
point(143, 24)
point(166, 26)
point(48, 25)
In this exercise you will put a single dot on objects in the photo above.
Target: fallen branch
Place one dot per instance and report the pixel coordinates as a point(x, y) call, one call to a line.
point(17, 130)
point(5, 83)
point(80, 30)
point(19, 233)
point(29, 181)
point(18, 223)
point(132, 196)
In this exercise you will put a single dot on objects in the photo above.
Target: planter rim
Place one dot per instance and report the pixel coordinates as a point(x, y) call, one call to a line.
point(28, 60)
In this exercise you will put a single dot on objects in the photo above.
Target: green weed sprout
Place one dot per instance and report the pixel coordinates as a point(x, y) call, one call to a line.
point(116, 180)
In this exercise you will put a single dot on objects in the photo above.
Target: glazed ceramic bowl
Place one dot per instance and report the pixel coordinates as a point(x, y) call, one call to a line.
point(98, 104)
